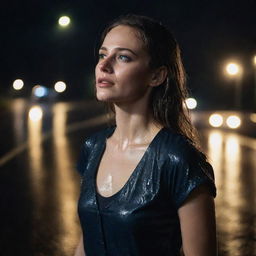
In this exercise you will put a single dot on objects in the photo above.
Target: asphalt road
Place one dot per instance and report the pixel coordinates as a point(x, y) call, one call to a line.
point(39, 185)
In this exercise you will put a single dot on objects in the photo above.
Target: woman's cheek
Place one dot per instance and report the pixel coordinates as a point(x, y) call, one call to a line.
point(136, 74)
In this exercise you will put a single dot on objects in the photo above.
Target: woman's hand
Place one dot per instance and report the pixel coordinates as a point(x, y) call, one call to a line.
point(198, 225)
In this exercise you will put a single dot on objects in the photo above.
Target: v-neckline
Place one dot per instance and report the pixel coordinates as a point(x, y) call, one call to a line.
point(135, 170)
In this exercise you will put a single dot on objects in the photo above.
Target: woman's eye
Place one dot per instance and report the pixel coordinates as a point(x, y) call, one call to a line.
point(101, 56)
point(124, 58)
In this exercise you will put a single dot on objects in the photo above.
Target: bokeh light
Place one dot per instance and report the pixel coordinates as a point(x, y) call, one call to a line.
point(232, 69)
point(233, 121)
point(18, 84)
point(216, 120)
point(253, 117)
point(40, 91)
point(191, 103)
point(35, 113)
point(60, 86)
point(64, 21)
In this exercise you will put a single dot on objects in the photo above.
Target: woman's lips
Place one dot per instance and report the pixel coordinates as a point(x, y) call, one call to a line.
point(104, 83)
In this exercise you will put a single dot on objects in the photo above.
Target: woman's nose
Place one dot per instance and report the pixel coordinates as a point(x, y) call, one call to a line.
point(106, 66)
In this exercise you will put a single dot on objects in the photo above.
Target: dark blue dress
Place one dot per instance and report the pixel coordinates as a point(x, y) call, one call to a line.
point(142, 218)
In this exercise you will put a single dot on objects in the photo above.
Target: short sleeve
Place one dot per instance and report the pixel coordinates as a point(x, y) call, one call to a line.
point(89, 150)
point(189, 172)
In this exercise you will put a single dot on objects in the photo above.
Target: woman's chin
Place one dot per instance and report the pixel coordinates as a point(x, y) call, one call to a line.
point(103, 98)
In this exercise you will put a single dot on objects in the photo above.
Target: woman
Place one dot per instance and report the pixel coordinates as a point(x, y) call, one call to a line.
point(146, 187)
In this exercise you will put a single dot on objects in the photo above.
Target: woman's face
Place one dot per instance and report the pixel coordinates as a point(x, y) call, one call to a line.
point(122, 73)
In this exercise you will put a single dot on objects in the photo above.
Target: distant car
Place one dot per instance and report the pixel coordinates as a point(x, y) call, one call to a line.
point(41, 93)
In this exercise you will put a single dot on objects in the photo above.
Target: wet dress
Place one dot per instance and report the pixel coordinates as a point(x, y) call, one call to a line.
point(141, 219)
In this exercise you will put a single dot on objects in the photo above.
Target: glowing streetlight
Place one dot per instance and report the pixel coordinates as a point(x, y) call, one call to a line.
point(64, 21)
point(216, 120)
point(232, 69)
point(18, 84)
point(233, 122)
point(191, 103)
point(60, 87)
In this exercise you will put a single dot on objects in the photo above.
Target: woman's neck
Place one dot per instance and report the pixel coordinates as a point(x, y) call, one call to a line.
point(134, 126)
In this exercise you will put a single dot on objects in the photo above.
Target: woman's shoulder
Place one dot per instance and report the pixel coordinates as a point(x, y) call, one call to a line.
point(178, 146)
point(89, 147)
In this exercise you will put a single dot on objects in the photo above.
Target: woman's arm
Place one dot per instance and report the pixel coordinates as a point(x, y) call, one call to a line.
point(198, 225)
point(80, 248)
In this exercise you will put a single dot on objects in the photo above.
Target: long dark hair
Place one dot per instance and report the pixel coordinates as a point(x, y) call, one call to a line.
point(168, 99)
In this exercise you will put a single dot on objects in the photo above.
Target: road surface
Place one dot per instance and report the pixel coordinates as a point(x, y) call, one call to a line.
point(39, 185)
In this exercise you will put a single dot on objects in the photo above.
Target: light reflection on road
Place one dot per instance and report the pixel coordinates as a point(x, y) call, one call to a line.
point(58, 182)
point(65, 188)
point(236, 234)
point(36, 157)
point(37, 176)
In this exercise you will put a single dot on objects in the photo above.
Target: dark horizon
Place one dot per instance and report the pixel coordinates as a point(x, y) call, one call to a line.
point(210, 33)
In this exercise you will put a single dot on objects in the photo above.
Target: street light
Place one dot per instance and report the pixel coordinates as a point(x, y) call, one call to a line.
point(64, 21)
point(60, 87)
point(18, 84)
point(191, 103)
point(234, 70)
point(216, 120)
point(233, 121)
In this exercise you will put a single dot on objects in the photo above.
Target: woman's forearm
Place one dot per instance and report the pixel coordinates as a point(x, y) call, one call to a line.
point(80, 248)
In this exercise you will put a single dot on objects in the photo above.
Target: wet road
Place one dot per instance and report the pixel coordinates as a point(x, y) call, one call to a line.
point(39, 185)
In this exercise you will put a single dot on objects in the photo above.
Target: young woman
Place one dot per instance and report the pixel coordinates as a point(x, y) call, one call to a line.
point(146, 187)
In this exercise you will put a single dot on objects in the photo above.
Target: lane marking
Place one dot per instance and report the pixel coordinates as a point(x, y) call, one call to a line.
point(11, 154)
point(245, 141)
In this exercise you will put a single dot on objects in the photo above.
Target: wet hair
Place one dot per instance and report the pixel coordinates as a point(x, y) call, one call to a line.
point(167, 100)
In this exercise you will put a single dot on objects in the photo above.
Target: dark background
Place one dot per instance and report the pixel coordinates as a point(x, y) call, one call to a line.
point(210, 33)
point(39, 186)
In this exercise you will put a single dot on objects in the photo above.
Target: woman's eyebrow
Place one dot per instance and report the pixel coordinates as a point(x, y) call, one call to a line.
point(119, 49)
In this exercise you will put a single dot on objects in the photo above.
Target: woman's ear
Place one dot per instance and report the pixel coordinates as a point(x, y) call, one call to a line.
point(158, 76)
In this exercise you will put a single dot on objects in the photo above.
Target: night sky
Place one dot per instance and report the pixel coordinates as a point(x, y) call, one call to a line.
point(210, 33)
